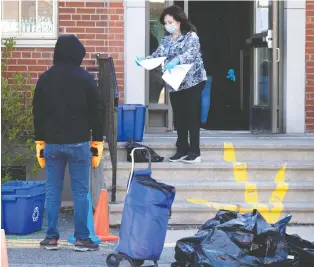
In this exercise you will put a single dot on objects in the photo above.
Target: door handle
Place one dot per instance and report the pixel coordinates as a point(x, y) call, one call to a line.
point(278, 55)
point(241, 80)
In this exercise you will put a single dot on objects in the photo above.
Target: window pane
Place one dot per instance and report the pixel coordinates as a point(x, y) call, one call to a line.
point(45, 16)
point(10, 16)
point(40, 23)
point(180, 4)
point(261, 76)
point(28, 19)
point(157, 118)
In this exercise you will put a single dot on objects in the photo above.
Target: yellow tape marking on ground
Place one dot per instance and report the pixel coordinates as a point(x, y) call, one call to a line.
point(239, 171)
point(229, 154)
point(282, 187)
point(63, 244)
point(271, 212)
point(250, 193)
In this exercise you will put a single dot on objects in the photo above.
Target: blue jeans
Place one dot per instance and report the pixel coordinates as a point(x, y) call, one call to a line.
point(78, 156)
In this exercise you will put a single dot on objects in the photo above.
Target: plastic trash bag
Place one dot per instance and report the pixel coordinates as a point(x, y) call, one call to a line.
point(141, 155)
point(233, 240)
point(300, 251)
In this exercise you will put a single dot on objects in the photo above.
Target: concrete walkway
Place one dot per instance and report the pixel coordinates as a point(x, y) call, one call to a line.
point(24, 251)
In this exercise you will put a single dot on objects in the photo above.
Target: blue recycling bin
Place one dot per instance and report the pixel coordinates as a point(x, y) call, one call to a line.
point(131, 122)
point(23, 187)
point(22, 206)
point(23, 214)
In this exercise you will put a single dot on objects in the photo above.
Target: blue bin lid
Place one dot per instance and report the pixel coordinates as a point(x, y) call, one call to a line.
point(131, 106)
point(21, 184)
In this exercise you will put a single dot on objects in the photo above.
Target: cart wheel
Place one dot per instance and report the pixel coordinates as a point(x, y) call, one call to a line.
point(138, 262)
point(113, 260)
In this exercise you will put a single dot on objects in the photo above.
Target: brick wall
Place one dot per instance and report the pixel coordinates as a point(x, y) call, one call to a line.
point(89, 21)
point(309, 58)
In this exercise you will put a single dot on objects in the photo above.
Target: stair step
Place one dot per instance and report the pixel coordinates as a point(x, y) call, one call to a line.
point(214, 178)
point(275, 149)
point(232, 192)
point(184, 213)
point(215, 171)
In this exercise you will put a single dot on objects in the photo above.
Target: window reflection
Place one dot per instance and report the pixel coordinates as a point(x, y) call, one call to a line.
point(156, 84)
point(262, 75)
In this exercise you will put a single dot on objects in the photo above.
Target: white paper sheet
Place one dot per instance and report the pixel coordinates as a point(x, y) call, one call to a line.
point(152, 63)
point(177, 75)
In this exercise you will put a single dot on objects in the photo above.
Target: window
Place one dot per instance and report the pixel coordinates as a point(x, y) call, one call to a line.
point(29, 19)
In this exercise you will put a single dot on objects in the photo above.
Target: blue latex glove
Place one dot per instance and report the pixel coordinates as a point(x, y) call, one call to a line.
point(171, 65)
point(139, 59)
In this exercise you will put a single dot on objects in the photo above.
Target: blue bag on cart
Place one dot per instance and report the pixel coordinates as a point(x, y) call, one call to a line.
point(147, 208)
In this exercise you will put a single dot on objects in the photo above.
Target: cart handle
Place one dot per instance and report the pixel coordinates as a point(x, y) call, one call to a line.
point(133, 163)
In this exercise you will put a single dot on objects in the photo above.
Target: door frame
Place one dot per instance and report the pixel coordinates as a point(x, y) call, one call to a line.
point(155, 106)
point(273, 111)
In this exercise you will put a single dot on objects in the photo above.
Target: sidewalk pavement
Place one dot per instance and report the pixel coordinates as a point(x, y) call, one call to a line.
point(24, 251)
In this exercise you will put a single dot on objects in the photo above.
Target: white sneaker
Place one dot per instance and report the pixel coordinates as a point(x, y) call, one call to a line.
point(192, 158)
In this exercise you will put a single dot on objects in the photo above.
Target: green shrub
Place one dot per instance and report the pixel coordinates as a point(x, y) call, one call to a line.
point(17, 141)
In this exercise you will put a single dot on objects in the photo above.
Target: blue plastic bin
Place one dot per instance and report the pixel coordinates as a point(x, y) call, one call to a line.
point(23, 214)
point(131, 122)
point(23, 188)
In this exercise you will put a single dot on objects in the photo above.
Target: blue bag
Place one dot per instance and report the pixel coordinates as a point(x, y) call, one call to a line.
point(145, 216)
point(205, 104)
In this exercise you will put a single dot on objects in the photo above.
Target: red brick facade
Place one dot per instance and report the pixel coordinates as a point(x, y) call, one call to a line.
point(309, 59)
point(89, 21)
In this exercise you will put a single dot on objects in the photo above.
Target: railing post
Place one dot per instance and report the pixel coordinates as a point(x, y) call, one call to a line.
point(108, 91)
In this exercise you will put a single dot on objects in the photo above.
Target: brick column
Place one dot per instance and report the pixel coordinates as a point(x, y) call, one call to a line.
point(309, 57)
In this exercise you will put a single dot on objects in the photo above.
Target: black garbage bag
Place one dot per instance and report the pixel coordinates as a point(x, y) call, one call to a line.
point(232, 239)
point(300, 251)
point(141, 155)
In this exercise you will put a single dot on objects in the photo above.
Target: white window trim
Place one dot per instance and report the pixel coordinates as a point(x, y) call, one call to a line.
point(41, 41)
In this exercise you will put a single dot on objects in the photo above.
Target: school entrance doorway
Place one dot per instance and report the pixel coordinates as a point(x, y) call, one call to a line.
point(240, 47)
point(223, 28)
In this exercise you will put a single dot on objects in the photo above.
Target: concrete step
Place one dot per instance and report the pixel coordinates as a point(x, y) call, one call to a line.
point(212, 171)
point(246, 148)
point(233, 192)
point(185, 213)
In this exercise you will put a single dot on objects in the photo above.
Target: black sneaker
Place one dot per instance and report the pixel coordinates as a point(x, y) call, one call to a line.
point(85, 245)
point(192, 158)
point(50, 243)
point(178, 157)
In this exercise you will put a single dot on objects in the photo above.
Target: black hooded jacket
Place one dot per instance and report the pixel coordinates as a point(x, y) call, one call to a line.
point(66, 104)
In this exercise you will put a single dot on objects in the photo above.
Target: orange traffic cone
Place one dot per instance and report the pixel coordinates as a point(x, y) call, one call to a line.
point(101, 218)
point(4, 252)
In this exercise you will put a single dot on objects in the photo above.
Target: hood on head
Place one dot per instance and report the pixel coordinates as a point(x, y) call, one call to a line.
point(69, 50)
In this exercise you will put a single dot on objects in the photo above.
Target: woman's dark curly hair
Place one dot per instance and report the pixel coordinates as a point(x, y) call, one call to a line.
point(178, 14)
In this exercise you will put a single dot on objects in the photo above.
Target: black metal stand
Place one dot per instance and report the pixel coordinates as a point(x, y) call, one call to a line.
point(108, 90)
point(114, 259)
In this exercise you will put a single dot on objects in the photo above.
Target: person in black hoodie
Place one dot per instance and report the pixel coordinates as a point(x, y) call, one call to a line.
point(66, 108)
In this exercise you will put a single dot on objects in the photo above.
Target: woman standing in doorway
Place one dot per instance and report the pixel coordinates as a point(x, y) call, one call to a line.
point(181, 46)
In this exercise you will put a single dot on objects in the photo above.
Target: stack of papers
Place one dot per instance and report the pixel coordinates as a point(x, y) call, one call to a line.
point(177, 75)
point(150, 64)
point(173, 78)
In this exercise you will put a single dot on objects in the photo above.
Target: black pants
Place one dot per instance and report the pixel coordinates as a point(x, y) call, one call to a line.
point(186, 106)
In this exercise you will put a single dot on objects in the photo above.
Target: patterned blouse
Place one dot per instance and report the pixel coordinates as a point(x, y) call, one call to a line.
point(187, 50)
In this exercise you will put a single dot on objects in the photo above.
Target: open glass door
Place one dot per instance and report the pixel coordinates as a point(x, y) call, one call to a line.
point(264, 115)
